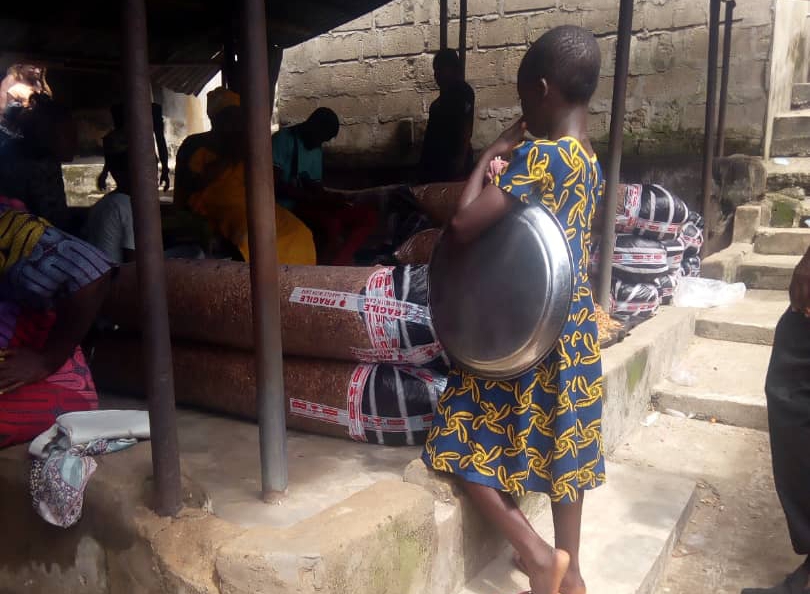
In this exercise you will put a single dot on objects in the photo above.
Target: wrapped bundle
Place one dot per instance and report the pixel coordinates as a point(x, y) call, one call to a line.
point(350, 314)
point(381, 404)
point(661, 214)
point(636, 259)
point(418, 249)
point(666, 286)
point(692, 234)
point(691, 266)
point(627, 207)
point(675, 249)
point(439, 201)
point(635, 300)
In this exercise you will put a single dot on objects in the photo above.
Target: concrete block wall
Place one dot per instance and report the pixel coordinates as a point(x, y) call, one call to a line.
point(375, 72)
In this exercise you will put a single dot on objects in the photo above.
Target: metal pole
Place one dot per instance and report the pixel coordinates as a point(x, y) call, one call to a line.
point(721, 118)
point(443, 24)
point(462, 36)
point(711, 109)
point(157, 351)
point(263, 252)
point(622, 67)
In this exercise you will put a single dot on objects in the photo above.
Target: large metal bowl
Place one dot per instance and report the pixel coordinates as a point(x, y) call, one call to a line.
point(499, 303)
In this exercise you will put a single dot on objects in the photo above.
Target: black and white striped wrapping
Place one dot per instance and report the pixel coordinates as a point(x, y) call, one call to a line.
point(661, 213)
point(635, 300)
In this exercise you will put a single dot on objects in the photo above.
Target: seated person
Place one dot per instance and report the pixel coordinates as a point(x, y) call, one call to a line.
point(42, 370)
point(210, 181)
point(31, 168)
point(109, 226)
point(340, 228)
point(22, 81)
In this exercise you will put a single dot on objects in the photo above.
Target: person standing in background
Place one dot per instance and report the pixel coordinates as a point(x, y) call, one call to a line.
point(447, 149)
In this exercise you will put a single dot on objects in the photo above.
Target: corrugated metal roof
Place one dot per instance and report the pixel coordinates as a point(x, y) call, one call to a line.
point(185, 36)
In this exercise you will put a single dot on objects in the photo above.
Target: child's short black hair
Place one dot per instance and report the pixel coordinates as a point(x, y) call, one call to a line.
point(567, 56)
point(448, 58)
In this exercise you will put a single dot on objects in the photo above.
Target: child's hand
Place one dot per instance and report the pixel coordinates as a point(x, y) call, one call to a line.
point(509, 139)
point(496, 167)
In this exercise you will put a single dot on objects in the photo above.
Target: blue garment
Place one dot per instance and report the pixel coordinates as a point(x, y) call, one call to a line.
point(542, 431)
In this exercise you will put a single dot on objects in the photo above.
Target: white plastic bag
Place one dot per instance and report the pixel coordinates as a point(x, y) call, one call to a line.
point(706, 292)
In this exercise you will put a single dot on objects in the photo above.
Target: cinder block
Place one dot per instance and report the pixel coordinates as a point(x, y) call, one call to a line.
point(397, 105)
point(541, 22)
point(391, 74)
point(502, 31)
point(389, 15)
point(401, 41)
point(527, 5)
point(343, 47)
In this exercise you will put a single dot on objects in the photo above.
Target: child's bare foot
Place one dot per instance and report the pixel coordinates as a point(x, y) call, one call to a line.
point(547, 570)
point(572, 583)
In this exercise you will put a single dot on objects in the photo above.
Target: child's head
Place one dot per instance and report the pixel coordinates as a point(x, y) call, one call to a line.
point(560, 70)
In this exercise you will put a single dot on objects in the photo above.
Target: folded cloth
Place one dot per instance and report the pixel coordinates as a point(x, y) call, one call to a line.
point(63, 461)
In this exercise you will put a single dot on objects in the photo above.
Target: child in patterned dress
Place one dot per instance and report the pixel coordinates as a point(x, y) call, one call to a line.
point(542, 431)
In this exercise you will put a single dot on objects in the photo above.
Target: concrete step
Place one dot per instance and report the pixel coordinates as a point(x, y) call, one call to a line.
point(800, 97)
point(785, 242)
point(629, 528)
point(772, 273)
point(718, 380)
point(736, 536)
point(791, 134)
point(788, 173)
point(752, 321)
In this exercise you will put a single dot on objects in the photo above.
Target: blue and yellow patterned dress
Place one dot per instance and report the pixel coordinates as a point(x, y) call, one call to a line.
point(542, 431)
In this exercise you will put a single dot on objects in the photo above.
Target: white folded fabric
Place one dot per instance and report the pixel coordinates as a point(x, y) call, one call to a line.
point(86, 426)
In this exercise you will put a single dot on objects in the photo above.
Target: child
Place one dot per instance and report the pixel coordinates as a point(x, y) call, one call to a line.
point(542, 431)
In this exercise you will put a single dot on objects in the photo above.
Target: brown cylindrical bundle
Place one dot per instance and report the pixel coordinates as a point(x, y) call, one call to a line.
point(209, 301)
point(439, 201)
point(223, 380)
point(418, 249)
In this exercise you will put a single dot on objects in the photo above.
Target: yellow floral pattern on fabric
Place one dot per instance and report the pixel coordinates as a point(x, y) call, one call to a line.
point(542, 431)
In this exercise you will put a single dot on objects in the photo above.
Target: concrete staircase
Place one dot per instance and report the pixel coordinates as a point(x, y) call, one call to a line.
point(791, 130)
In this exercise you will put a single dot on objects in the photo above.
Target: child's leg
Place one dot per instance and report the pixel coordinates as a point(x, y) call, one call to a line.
point(545, 565)
point(567, 527)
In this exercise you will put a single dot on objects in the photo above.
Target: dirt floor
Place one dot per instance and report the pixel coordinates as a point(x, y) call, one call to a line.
point(737, 536)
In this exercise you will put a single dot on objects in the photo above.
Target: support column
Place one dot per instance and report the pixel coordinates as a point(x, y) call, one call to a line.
point(443, 24)
point(149, 260)
point(721, 118)
point(610, 199)
point(462, 36)
point(711, 110)
point(257, 106)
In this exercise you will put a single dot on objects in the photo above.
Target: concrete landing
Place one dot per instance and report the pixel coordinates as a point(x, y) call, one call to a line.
point(789, 242)
point(795, 171)
point(753, 320)
point(772, 273)
point(728, 383)
point(791, 134)
point(628, 530)
point(736, 537)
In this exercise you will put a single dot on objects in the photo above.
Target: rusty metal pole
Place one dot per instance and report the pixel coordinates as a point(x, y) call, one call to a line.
point(462, 36)
point(724, 74)
point(149, 260)
point(711, 109)
point(443, 17)
point(256, 102)
point(621, 71)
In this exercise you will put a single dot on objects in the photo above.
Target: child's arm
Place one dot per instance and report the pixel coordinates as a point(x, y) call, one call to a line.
point(480, 209)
